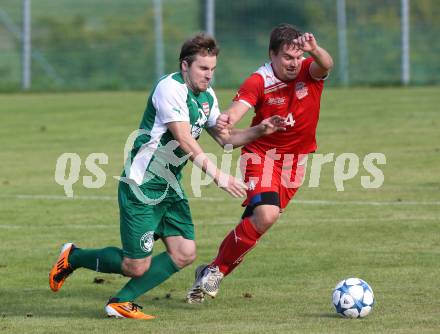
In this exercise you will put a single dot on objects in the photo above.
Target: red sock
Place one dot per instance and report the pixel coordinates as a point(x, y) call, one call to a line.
point(236, 245)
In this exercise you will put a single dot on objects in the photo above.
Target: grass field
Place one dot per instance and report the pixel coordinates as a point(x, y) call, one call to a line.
point(387, 236)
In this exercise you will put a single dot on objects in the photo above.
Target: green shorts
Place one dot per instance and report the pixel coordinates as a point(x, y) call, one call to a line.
point(142, 223)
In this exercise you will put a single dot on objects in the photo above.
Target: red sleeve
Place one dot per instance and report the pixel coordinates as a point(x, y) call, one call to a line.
point(250, 90)
point(305, 68)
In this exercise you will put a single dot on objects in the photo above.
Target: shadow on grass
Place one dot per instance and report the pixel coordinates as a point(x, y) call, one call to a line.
point(78, 303)
point(321, 315)
point(42, 303)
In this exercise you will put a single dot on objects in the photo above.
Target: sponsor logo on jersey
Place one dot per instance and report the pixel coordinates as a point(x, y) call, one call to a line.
point(197, 128)
point(205, 106)
point(147, 241)
point(301, 90)
point(276, 100)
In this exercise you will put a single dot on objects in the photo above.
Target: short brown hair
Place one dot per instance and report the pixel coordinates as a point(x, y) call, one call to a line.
point(201, 44)
point(282, 34)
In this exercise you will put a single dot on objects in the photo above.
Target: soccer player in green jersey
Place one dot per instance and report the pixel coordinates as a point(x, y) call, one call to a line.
point(151, 201)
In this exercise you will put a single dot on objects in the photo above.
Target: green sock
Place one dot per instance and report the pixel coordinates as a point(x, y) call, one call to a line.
point(161, 268)
point(104, 260)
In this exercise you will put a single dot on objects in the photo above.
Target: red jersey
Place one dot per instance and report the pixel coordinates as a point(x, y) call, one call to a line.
point(297, 100)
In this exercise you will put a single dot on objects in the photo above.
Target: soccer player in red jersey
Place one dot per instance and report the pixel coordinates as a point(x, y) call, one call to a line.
point(290, 86)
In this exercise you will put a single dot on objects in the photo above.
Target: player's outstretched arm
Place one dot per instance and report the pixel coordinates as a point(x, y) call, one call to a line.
point(232, 115)
point(239, 137)
point(322, 63)
point(182, 133)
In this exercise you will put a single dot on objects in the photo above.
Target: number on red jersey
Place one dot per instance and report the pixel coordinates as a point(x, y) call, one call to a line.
point(289, 120)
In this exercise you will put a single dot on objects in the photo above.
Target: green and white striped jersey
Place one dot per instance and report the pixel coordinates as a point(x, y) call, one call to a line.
point(155, 157)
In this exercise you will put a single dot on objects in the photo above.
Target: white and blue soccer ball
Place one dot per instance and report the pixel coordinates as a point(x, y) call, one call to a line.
point(353, 298)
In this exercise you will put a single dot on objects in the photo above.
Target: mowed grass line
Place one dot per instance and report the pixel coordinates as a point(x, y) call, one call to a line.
point(285, 284)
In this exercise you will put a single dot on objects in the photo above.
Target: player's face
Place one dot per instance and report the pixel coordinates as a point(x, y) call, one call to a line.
point(287, 63)
point(199, 75)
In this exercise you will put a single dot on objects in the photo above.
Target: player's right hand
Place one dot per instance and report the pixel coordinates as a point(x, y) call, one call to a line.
point(222, 122)
point(235, 187)
point(306, 42)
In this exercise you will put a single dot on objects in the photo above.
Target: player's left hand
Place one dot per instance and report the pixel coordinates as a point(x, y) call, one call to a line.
point(273, 124)
point(306, 42)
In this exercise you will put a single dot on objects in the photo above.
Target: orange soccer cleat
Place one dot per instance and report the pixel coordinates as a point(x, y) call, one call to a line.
point(115, 309)
point(61, 269)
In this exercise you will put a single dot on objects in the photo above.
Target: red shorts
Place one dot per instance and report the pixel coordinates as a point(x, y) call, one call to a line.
point(281, 174)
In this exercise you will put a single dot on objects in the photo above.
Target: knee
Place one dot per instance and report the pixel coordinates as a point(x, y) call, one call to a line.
point(188, 258)
point(264, 219)
point(184, 258)
point(135, 270)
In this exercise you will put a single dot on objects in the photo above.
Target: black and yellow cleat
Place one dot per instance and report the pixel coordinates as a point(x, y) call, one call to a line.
point(61, 269)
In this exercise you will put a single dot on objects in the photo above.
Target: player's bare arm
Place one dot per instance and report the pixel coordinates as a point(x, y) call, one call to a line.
point(322, 63)
point(182, 133)
point(232, 115)
point(240, 137)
